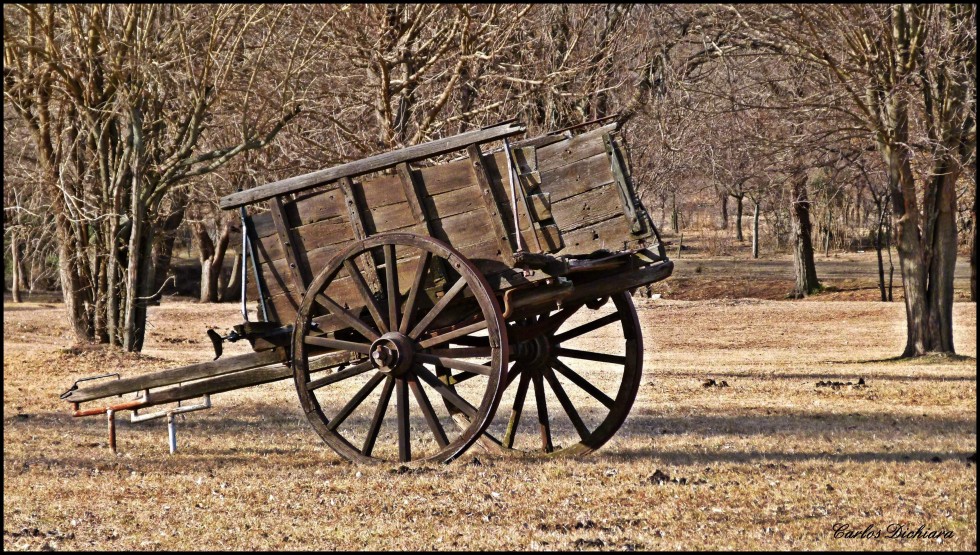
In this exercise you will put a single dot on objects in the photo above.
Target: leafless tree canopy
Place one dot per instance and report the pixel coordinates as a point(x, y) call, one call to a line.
point(124, 124)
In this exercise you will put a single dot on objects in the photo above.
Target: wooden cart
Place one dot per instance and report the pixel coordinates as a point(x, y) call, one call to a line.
point(448, 283)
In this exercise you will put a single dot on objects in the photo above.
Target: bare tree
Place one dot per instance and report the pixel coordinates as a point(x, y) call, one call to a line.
point(909, 72)
point(121, 101)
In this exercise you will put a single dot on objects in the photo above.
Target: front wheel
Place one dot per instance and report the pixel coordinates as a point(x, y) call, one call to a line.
point(393, 303)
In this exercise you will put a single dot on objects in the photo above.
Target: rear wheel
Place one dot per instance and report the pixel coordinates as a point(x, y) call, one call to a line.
point(575, 375)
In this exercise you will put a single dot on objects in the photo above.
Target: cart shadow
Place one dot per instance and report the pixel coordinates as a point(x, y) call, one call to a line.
point(810, 376)
point(682, 458)
point(913, 362)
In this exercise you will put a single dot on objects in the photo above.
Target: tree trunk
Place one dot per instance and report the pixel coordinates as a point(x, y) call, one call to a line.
point(674, 219)
point(973, 251)
point(230, 291)
point(806, 269)
point(827, 233)
point(724, 210)
point(877, 245)
point(738, 218)
point(72, 292)
point(891, 262)
point(942, 263)
point(15, 263)
point(755, 231)
point(137, 223)
point(212, 259)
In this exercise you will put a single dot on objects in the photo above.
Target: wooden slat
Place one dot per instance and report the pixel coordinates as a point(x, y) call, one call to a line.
point(175, 375)
point(491, 198)
point(586, 209)
point(577, 178)
point(370, 164)
point(288, 245)
point(412, 193)
point(357, 226)
point(574, 149)
point(612, 234)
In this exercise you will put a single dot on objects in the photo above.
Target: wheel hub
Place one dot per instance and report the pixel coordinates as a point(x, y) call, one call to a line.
point(392, 353)
point(534, 352)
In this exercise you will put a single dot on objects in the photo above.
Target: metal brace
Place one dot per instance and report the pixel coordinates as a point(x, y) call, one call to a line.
point(171, 422)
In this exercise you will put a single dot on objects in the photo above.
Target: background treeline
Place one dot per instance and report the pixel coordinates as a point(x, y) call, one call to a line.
point(820, 127)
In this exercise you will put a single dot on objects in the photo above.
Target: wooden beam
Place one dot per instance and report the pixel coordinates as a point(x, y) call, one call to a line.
point(175, 375)
point(357, 224)
point(414, 195)
point(492, 198)
point(288, 245)
point(370, 164)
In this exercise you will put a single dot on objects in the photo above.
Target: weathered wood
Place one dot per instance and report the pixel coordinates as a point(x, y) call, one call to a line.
point(370, 164)
point(586, 209)
point(623, 281)
point(624, 186)
point(175, 375)
point(492, 199)
point(525, 162)
point(412, 193)
point(574, 149)
point(577, 177)
point(238, 380)
point(540, 206)
point(288, 245)
point(357, 226)
point(612, 234)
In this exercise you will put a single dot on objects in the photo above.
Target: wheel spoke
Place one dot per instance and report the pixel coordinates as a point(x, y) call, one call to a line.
point(457, 336)
point(468, 352)
point(369, 301)
point(349, 372)
point(543, 422)
point(346, 316)
point(438, 308)
point(379, 415)
point(417, 283)
point(355, 401)
point(546, 326)
point(512, 374)
point(566, 403)
point(430, 414)
point(589, 355)
point(582, 383)
point(339, 344)
point(471, 340)
point(586, 328)
point(401, 402)
point(453, 379)
point(515, 413)
point(448, 394)
point(391, 279)
point(453, 363)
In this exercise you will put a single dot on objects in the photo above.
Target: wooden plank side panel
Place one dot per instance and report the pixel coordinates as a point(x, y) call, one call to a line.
point(588, 208)
point(578, 177)
point(612, 234)
point(574, 149)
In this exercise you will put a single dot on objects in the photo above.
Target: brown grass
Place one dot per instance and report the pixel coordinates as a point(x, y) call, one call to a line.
point(773, 461)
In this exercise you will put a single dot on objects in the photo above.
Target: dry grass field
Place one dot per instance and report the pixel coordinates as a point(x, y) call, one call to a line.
point(773, 461)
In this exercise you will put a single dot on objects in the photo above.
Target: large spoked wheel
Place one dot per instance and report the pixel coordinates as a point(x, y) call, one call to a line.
point(575, 377)
point(392, 303)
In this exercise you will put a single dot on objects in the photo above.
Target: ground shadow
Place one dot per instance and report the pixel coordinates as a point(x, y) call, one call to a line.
point(680, 458)
point(804, 377)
